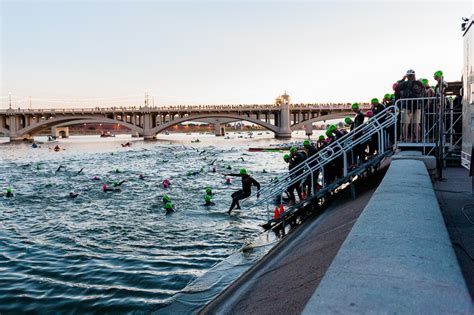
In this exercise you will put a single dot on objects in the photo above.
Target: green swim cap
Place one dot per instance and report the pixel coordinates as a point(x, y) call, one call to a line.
point(332, 128)
point(424, 81)
point(293, 150)
point(243, 171)
point(387, 96)
point(321, 138)
point(438, 74)
point(114, 182)
point(169, 205)
point(348, 120)
point(208, 191)
point(392, 96)
point(286, 157)
point(207, 198)
point(306, 143)
point(328, 133)
point(37, 166)
point(166, 198)
point(374, 101)
point(355, 106)
point(9, 189)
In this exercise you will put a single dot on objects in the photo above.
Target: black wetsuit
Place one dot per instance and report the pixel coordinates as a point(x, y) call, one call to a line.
point(359, 150)
point(311, 151)
point(374, 142)
point(296, 160)
point(9, 194)
point(247, 183)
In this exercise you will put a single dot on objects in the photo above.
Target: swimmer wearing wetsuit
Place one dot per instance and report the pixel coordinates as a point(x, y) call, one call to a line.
point(73, 195)
point(247, 183)
point(106, 189)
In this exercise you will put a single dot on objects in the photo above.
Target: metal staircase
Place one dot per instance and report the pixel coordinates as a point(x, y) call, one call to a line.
point(382, 127)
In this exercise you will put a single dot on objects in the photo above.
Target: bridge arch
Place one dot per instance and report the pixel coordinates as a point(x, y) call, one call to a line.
point(320, 118)
point(169, 124)
point(74, 120)
point(4, 131)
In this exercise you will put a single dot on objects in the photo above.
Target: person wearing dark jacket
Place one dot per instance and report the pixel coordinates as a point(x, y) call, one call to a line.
point(377, 108)
point(247, 183)
point(359, 150)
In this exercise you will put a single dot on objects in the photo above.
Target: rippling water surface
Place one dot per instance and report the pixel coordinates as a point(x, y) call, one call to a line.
point(118, 251)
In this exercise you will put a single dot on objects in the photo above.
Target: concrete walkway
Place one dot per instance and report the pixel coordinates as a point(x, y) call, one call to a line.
point(398, 258)
point(284, 280)
point(457, 205)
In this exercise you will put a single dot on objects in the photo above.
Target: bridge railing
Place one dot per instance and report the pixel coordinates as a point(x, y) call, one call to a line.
point(379, 126)
point(99, 109)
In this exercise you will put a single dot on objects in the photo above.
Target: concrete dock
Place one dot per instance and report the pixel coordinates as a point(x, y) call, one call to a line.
point(396, 257)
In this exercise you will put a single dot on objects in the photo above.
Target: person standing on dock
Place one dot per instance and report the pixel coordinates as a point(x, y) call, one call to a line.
point(247, 183)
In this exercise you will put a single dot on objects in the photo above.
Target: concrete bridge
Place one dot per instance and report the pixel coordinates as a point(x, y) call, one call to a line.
point(147, 122)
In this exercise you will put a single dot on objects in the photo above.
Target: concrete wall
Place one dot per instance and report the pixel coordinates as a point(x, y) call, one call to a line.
point(398, 257)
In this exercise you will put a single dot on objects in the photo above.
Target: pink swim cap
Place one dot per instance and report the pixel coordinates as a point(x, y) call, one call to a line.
point(394, 86)
point(104, 187)
point(369, 113)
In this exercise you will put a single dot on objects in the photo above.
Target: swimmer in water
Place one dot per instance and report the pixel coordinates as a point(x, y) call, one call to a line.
point(57, 148)
point(106, 189)
point(214, 168)
point(208, 201)
point(80, 171)
point(117, 170)
point(228, 180)
point(73, 195)
point(59, 168)
point(95, 178)
point(169, 207)
point(117, 184)
point(9, 193)
point(141, 176)
point(166, 199)
point(209, 191)
point(166, 183)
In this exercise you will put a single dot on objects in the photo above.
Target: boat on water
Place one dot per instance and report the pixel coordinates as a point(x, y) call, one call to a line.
point(106, 134)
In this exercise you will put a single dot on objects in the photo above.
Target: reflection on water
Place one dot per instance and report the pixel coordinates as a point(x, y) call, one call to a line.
point(118, 251)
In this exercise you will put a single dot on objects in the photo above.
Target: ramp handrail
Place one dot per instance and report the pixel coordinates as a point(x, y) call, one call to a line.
point(361, 134)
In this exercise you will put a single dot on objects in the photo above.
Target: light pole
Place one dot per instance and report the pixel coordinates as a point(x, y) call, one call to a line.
point(10, 99)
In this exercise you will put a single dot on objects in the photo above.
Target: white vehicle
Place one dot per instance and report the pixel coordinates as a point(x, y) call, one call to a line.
point(468, 93)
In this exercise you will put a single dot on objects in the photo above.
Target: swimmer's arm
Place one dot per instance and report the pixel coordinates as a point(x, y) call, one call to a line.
point(80, 171)
point(232, 174)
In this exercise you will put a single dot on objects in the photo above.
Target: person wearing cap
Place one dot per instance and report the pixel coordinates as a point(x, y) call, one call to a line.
point(359, 150)
point(169, 207)
point(208, 200)
point(429, 110)
point(311, 151)
point(321, 142)
point(410, 87)
point(439, 77)
point(296, 159)
point(387, 100)
point(247, 183)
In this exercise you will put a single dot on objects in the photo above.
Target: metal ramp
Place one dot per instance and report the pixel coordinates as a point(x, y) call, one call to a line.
point(380, 129)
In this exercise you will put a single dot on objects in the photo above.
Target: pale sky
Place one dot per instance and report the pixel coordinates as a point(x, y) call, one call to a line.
point(214, 52)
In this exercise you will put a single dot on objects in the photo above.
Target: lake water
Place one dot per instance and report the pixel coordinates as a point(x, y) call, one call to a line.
point(118, 251)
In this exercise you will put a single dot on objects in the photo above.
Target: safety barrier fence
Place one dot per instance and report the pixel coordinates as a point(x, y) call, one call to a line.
point(380, 131)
